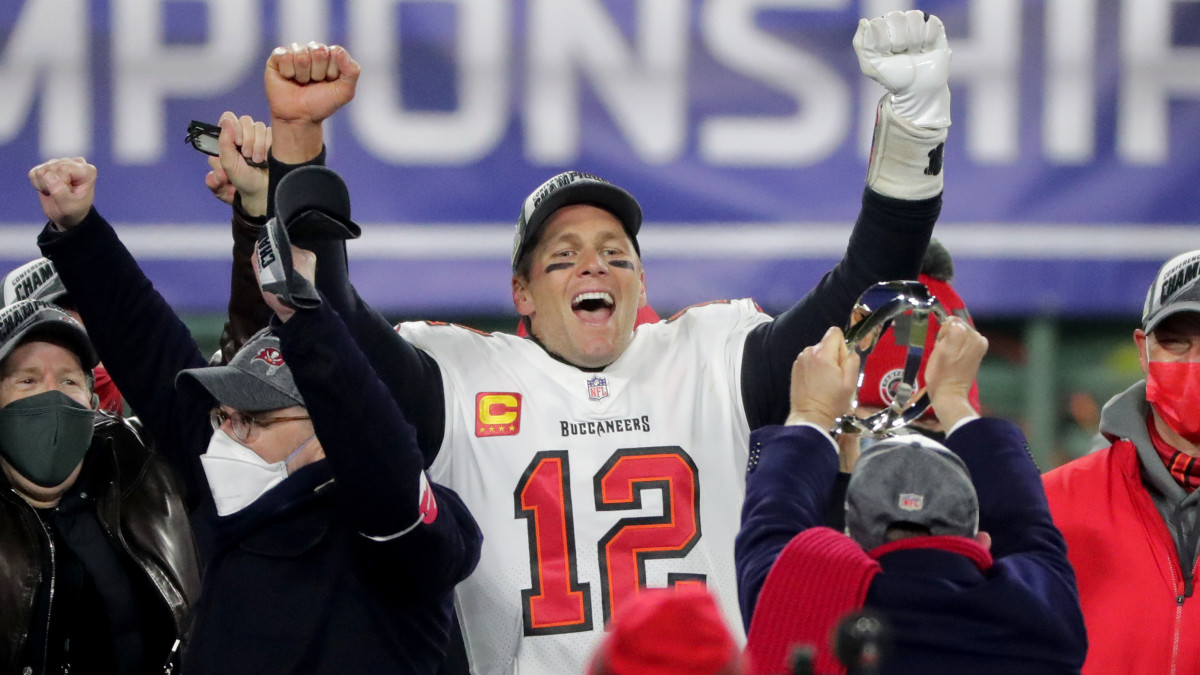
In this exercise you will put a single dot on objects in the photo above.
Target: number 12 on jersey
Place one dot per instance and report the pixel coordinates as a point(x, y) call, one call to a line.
point(557, 602)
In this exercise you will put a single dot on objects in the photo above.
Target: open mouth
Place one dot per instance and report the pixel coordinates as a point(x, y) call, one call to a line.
point(593, 306)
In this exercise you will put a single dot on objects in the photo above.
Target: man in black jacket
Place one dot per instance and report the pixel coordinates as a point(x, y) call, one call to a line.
point(326, 548)
point(99, 565)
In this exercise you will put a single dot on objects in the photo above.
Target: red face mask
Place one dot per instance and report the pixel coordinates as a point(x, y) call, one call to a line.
point(1174, 391)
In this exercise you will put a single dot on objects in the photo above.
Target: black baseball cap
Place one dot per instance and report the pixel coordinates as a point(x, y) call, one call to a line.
point(313, 203)
point(27, 320)
point(568, 189)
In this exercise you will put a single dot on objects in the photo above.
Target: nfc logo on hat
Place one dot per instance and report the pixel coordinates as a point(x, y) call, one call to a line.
point(909, 501)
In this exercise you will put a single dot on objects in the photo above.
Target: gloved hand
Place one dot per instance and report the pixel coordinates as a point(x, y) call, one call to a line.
point(908, 54)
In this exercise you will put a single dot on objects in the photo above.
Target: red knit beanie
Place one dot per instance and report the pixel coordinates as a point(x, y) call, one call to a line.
point(668, 631)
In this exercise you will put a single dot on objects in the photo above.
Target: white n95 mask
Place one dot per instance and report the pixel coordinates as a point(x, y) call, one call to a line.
point(237, 476)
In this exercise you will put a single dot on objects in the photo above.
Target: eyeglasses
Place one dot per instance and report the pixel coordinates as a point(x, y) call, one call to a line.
point(206, 138)
point(242, 424)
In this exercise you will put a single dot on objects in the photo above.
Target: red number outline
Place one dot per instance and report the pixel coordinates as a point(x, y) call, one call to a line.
point(528, 506)
point(617, 486)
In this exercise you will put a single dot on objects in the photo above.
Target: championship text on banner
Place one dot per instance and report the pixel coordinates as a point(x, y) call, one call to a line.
point(742, 126)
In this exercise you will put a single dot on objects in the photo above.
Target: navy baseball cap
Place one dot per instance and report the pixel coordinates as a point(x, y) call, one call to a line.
point(313, 202)
point(568, 189)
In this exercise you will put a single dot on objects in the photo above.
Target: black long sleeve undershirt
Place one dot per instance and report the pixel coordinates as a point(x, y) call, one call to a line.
point(888, 243)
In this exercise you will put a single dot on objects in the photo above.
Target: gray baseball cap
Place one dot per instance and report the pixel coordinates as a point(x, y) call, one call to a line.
point(26, 320)
point(35, 280)
point(567, 189)
point(910, 479)
point(1175, 289)
point(256, 378)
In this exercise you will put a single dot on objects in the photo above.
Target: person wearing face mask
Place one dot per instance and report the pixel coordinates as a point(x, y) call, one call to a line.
point(98, 568)
point(325, 548)
point(1131, 512)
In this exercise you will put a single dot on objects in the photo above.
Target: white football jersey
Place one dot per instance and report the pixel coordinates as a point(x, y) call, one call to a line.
point(589, 486)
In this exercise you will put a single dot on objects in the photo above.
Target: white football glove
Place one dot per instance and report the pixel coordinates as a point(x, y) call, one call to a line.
point(908, 54)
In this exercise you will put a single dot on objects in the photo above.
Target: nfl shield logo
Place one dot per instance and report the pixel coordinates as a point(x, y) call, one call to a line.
point(597, 388)
point(911, 502)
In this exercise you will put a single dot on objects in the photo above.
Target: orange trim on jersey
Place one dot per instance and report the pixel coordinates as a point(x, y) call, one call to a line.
point(455, 325)
point(699, 304)
point(497, 414)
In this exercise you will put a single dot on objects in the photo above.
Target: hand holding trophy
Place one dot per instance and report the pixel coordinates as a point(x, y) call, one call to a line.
point(897, 316)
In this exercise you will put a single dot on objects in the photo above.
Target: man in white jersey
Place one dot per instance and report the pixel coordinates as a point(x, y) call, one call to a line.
point(600, 460)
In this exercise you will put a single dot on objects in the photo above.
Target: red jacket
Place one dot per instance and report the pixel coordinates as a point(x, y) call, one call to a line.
point(1140, 615)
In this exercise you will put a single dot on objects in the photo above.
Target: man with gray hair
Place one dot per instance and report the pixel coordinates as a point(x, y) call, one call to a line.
point(970, 575)
point(1131, 512)
point(98, 569)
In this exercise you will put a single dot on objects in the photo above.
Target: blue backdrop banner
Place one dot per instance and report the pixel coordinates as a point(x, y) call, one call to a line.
point(742, 126)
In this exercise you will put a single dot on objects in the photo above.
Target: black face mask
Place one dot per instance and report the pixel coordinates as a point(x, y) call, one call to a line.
point(45, 436)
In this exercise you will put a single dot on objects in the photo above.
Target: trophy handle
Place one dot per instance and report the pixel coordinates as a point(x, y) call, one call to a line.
point(906, 306)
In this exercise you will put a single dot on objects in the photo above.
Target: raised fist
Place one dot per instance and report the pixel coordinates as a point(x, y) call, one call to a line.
point(308, 83)
point(908, 54)
point(66, 188)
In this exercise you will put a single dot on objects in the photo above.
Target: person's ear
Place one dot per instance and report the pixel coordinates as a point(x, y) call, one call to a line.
point(1139, 339)
point(522, 298)
point(984, 539)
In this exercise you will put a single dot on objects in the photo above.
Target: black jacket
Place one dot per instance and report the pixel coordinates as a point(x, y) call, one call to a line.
point(291, 584)
point(142, 514)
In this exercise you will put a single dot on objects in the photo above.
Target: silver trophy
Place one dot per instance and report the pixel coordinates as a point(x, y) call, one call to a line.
point(906, 306)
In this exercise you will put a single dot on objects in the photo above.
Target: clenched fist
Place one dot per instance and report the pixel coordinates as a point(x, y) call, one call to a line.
point(908, 54)
point(66, 188)
point(242, 141)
